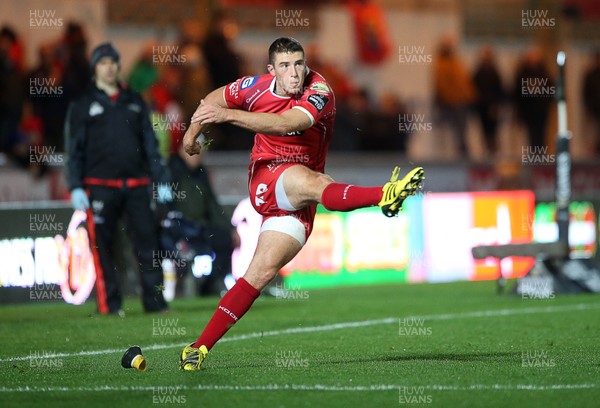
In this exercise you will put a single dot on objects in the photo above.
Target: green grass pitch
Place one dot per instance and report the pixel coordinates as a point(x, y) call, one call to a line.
point(436, 345)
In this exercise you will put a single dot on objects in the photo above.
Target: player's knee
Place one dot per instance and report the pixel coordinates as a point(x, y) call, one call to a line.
point(323, 180)
point(302, 187)
point(320, 183)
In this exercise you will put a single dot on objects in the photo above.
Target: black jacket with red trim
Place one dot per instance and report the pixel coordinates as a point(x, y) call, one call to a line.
point(111, 139)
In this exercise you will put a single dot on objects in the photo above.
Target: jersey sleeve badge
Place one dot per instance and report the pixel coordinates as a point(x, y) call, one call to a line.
point(320, 87)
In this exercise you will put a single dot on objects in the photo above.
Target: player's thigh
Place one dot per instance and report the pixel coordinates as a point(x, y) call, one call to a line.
point(273, 251)
point(304, 186)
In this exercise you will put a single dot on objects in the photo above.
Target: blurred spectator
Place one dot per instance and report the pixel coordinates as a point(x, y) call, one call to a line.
point(30, 138)
point(144, 72)
point(222, 61)
point(63, 67)
point(339, 81)
point(76, 73)
point(195, 71)
point(454, 91)
point(591, 97)
point(533, 94)
point(350, 120)
point(166, 114)
point(48, 108)
point(15, 50)
point(490, 94)
point(352, 103)
point(201, 207)
point(11, 93)
point(383, 130)
point(224, 67)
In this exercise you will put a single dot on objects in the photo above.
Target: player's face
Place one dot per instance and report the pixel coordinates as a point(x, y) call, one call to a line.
point(107, 70)
point(289, 70)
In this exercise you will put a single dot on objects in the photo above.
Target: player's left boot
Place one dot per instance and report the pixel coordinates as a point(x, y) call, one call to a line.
point(192, 357)
point(396, 191)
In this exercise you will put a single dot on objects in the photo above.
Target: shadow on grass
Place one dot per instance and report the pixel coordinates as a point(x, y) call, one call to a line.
point(482, 357)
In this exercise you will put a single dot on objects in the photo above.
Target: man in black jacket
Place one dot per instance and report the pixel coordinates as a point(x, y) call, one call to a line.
point(203, 208)
point(114, 164)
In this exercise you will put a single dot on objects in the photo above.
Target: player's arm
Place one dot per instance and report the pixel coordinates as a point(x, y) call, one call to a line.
point(216, 98)
point(275, 124)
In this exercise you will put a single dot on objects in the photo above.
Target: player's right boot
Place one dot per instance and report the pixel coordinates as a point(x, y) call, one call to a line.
point(192, 357)
point(396, 191)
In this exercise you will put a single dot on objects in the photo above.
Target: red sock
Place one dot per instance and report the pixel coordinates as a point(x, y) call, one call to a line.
point(346, 197)
point(231, 308)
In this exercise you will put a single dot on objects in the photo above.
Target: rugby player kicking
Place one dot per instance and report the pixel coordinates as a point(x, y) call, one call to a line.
point(292, 111)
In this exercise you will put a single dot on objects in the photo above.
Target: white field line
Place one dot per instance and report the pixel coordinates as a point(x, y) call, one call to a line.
point(329, 327)
point(173, 390)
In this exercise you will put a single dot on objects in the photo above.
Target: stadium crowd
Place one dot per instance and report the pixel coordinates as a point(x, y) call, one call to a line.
point(34, 99)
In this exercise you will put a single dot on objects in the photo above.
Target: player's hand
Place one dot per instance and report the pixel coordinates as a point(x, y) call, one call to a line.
point(191, 143)
point(209, 113)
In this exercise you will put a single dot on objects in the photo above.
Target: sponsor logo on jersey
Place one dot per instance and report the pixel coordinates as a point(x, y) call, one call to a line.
point(253, 96)
point(96, 109)
point(233, 89)
point(318, 101)
point(259, 198)
point(248, 82)
point(320, 87)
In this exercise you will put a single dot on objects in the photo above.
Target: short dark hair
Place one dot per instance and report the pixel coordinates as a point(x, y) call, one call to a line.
point(284, 45)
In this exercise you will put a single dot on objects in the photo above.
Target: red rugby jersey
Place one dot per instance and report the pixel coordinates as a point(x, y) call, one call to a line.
point(308, 147)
